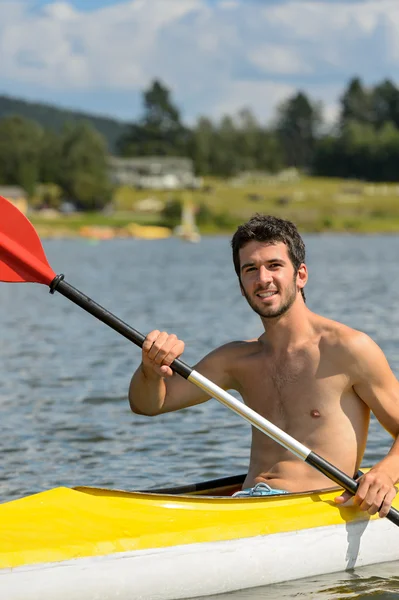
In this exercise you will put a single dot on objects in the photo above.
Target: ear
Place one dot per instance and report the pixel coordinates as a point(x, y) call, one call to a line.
point(302, 276)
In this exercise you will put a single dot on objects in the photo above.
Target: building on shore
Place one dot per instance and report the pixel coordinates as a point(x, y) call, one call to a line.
point(153, 172)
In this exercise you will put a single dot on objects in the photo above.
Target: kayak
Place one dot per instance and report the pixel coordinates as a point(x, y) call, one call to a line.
point(90, 543)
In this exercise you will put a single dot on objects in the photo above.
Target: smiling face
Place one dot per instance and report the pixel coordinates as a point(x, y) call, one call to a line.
point(268, 279)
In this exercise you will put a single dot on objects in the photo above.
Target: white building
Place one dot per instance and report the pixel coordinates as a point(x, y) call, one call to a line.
point(153, 172)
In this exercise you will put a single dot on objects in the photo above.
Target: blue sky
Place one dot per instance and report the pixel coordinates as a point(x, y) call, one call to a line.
point(84, 5)
point(216, 56)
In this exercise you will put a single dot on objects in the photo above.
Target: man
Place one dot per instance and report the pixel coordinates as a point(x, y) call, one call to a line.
point(314, 378)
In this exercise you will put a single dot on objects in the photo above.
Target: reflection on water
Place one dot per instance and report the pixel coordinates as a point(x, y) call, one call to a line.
point(64, 376)
point(379, 582)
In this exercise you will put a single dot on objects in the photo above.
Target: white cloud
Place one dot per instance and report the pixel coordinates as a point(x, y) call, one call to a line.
point(331, 113)
point(62, 48)
point(312, 21)
point(227, 4)
point(215, 58)
point(279, 59)
point(261, 96)
point(61, 11)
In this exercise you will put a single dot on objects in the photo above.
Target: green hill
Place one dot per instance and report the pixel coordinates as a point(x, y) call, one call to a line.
point(54, 118)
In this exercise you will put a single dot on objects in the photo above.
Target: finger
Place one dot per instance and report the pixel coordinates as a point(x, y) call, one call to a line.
point(347, 496)
point(372, 499)
point(167, 349)
point(375, 497)
point(157, 350)
point(166, 371)
point(344, 497)
point(362, 491)
point(378, 502)
point(176, 349)
point(344, 500)
point(149, 340)
point(387, 503)
point(383, 500)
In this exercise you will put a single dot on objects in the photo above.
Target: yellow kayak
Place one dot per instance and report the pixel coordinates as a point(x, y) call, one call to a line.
point(92, 543)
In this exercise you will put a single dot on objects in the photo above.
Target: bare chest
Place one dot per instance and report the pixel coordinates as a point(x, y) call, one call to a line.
point(294, 387)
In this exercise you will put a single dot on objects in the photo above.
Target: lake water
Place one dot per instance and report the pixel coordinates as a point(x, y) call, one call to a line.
point(65, 418)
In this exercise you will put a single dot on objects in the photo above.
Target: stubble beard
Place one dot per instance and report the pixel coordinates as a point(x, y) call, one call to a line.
point(274, 313)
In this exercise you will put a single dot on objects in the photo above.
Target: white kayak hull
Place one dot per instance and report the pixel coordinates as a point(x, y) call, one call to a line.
point(204, 569)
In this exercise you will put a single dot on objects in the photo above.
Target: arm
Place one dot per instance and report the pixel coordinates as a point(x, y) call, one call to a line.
point(377, 386)
point(155, 389)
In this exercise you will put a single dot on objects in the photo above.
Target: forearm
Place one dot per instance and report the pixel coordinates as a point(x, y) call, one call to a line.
point(390, 464)
point(147, 392)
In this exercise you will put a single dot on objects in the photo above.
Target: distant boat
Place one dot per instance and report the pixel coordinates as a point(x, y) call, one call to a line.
point(148, 232)
point(187, 230)
point(97, 232)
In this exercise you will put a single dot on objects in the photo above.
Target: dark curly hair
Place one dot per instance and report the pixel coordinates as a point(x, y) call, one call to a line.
point(266, 228)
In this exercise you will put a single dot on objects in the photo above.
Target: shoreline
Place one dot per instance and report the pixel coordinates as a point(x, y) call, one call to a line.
point(104, 232)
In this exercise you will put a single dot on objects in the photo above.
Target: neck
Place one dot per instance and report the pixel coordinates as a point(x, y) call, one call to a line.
point(290, 328)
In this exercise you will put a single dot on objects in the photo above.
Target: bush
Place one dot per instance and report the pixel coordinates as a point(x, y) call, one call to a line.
point(171, 214)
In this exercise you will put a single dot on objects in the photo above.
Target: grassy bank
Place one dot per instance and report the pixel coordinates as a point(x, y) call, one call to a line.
point(314, 204)
point(72, 225)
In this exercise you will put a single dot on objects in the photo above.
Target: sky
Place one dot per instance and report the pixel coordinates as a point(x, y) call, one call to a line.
point(216, 56)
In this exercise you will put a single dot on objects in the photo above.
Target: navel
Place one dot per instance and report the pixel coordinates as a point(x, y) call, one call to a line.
point(314, 413)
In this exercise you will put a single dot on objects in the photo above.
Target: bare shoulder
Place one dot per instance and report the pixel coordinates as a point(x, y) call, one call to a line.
point(337, 334)
point(232, 351)
point(350, 346)
point(221, 364)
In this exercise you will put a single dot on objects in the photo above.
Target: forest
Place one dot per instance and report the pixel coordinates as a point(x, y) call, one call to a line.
point(44, 145)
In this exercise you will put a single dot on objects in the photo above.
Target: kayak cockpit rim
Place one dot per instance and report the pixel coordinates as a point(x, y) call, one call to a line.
point(220, 489)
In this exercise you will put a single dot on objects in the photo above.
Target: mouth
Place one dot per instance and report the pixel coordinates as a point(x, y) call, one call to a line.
point(266, 295)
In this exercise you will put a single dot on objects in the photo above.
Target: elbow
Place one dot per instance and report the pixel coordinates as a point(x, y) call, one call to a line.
point(139, 411)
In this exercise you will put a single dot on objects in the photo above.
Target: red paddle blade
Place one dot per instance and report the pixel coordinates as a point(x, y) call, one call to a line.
point(22, 257)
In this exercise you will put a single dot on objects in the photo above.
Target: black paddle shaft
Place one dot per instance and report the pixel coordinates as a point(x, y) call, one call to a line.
point(343, 480)
point(98, 311)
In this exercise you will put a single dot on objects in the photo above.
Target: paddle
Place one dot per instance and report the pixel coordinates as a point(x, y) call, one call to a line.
point(22, 259)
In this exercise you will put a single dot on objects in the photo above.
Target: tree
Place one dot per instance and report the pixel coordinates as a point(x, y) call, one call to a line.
point(298, 124)
point(356, 103)
point(160, 131)
point(367, 144)
point(386, 153)
point(269, 153)
point(248, 139)
point(84, 169)
point(385, 104)
point(201, 147)
point(225, 156)
point(20, 146)
point(258, 147)
point(361, 151)
point(50, 158)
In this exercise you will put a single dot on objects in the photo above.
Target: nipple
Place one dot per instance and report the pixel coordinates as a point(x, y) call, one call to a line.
point(314, 413)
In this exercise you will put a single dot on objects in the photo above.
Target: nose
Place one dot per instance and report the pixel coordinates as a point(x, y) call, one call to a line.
point(264, 275)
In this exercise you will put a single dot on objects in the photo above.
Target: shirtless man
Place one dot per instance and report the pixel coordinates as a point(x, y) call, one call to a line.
point(314, 378)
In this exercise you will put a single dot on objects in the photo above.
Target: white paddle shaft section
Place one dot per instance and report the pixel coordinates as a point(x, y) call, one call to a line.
point(250, 415)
